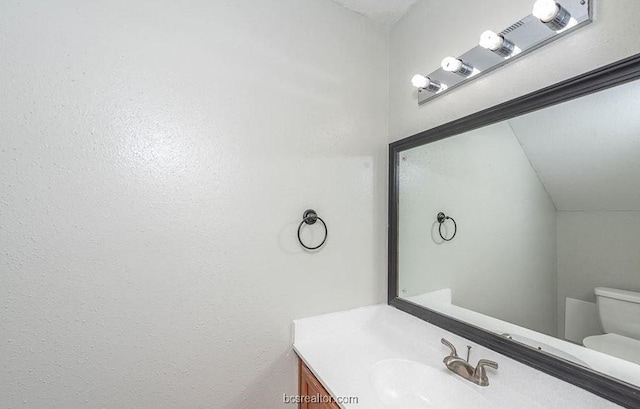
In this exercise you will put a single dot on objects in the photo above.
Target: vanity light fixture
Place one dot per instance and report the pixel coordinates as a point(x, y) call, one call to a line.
point(452, 64)
point(422, 82)
point(552, 14)
point(497, 43)
point(495, 49)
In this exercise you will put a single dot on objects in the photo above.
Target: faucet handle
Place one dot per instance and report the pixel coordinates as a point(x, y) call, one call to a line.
point(480, 373)
point(453, 353)
point(486, 362)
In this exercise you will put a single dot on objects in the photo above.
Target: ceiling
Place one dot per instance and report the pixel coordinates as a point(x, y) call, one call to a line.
point(587, 151)
point(385, 12)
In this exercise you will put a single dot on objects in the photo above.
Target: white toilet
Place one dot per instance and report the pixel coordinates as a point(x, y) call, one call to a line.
point(619, 313)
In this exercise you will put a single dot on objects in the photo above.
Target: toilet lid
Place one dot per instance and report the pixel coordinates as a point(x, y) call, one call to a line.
point(615, 345)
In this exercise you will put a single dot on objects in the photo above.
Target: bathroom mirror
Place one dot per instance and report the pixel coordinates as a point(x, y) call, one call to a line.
point(519, 228)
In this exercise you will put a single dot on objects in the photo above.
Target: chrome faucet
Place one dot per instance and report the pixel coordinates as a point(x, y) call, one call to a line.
point(462, 367)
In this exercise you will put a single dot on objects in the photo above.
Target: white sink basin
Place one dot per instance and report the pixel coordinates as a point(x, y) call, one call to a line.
point(404, 384)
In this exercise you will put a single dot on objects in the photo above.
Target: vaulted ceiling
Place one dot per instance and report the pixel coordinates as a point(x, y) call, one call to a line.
point(587, 151)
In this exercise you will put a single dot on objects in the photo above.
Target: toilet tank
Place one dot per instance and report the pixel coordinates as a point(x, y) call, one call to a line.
point(619, 311)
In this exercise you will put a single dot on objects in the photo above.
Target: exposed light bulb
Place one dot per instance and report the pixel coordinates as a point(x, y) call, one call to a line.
point(452, 64)
point(545, 10)
point(419, 81)
point(552, 14)
point(422, 82)
point(491, 41)
point(496, 43)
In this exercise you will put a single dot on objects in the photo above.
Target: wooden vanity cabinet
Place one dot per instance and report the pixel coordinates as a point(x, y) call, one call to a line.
point(309, 386)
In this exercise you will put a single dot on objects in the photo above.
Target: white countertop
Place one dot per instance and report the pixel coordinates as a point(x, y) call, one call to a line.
point(341, 348)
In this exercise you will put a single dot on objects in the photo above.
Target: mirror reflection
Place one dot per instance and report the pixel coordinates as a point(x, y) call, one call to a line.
point(538, 237)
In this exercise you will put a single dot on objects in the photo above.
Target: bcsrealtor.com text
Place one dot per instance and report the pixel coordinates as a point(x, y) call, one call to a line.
point(318, 398)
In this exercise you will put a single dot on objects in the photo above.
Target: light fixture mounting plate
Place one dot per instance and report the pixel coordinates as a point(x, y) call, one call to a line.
point(527, 34)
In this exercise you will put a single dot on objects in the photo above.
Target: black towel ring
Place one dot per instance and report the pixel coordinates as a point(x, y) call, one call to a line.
point(311, 217)
point(441, 219)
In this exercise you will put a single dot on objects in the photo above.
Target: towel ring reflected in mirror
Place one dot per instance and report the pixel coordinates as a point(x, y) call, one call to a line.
point(442, 218)
point(310, 217)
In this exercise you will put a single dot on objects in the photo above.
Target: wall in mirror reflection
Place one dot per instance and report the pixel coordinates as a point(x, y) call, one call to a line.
point(547, 207)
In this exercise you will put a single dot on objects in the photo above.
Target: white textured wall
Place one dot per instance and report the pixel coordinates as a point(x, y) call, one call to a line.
point(597, 249)
point(434, 29)
point(155, 159)
point(505, 250)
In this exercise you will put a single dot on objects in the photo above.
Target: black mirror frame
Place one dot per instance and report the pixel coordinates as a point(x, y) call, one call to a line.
point(623, 71)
